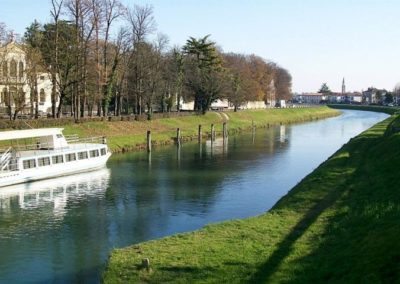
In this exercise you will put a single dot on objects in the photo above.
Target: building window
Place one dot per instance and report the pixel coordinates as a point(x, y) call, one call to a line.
point(5, 69)
point(45, 161)
point(103, 151)
point(42, 96)
point(11, 94)
point(4, 96)
point(57, 159)
point(13, 68)
point(28, 164)
point(21, 97)
point(70, 157)
point(94, 153)
point(21, 69)
point(82, 155)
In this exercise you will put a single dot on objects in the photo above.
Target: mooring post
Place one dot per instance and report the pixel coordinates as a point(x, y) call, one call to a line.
point(199, 134)
point(148, 141)
point(212, 132)
point(178, 137)
point(224, 132)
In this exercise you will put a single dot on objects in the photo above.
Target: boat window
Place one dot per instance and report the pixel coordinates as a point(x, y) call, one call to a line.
point(57, 159)
point(82, 155)
point(45, 161)
point(59, 135)
point(70, 157)
point(94, 153)
point(103, 151)
point(28, 164)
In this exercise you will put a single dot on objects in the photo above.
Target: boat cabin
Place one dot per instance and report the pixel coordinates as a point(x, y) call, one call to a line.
point(36, 149)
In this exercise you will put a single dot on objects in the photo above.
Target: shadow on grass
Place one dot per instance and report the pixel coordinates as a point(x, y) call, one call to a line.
point(359, 244)
point(284, 248)
point(361, 240)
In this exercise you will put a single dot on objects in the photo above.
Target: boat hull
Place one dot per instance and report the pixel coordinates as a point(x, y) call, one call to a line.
point(57, 170)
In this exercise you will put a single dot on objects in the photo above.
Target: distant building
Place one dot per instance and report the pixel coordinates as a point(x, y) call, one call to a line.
point(374, 95)
point(332, 98)
point(311, 98)
point(15, 91)
point(224, 104)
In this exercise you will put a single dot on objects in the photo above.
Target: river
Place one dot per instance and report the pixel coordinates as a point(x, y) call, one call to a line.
point(62, 230)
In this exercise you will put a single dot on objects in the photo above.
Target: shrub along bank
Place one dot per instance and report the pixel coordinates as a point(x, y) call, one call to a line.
point(340, 224)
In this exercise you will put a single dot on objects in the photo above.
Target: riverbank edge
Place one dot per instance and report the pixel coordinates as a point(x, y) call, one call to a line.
point(384, 109)
point(127, 136)
point(325, 219)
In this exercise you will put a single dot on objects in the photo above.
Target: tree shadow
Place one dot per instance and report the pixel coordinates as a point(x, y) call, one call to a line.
point(359, 241)
point(267, 269)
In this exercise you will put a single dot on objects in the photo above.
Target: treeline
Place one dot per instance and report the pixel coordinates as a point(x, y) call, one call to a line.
point(97, 70)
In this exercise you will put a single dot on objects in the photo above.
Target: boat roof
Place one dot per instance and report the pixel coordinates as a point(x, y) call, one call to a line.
point(29, 133)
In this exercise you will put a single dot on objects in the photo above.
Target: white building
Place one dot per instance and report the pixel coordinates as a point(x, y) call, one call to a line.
point(15, 89)
point(224, 104)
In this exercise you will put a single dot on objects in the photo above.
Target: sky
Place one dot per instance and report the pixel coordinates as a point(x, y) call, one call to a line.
point(317, 41)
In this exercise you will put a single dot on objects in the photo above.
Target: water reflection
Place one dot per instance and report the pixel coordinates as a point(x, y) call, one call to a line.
point(219, 146)
point(55, 191)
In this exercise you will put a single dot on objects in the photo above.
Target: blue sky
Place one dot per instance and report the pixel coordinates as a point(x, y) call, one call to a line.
point(316, 40)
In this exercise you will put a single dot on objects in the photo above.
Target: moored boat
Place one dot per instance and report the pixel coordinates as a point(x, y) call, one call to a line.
point(49, 154)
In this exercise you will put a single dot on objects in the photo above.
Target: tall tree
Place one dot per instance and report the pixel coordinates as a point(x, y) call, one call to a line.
point(113, 9)
point(241, 85)
point(204, 71)
point(142, 24)
point(59, 59)
point(324, 89)
point(283, 84)
point(33, 38)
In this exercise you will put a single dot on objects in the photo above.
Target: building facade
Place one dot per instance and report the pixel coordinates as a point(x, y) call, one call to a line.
point(15, 86)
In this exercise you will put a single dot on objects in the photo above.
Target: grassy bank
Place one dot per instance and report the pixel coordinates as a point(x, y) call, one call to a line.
point(131, 135)
point(340, 224)
point(384, 109)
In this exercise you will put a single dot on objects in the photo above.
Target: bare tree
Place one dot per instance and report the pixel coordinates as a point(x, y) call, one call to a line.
point(98, 21)
point(113, 9)
point(80, 12)
point(142, 24)
point(56, 6)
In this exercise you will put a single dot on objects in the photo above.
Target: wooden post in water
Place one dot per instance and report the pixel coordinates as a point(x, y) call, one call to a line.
point(178, 137)
point(199, 134)
point(212, 132)
point(224, 131)
point(148, 141)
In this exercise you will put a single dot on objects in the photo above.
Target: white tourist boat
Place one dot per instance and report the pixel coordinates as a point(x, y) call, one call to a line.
point(37, 154)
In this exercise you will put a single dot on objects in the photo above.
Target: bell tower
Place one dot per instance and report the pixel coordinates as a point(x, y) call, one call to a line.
point(343, 87)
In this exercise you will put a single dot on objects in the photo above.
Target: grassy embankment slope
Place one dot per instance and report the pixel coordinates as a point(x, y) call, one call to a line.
point(376, 108)
point(340, 224)
point(131, 135)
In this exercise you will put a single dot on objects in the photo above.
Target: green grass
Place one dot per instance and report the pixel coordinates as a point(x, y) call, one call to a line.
point(341, 224)
point(376, 108)
point(131, 135)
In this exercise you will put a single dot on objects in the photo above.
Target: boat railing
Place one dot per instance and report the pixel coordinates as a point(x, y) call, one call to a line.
point(75, 139)
point(71, 139)
point(8, 162)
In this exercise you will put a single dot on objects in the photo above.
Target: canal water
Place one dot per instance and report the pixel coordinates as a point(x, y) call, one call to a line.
point(62, 230)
